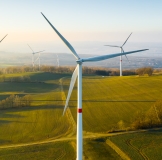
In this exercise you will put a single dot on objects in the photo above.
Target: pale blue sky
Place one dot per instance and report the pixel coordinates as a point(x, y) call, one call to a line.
point(84, 20)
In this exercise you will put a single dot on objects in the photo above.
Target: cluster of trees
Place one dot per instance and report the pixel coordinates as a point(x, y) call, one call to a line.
point(158, 71)
point(152, 118)
point(14, 101)
point(124, 72)
point(16, 69)
point(145, 70)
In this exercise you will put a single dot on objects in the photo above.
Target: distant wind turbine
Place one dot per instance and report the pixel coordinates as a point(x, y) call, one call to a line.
point(33, 61)
point(38, 58)
point(78, 72)
point(122, 51)
point(3, 38)
point(57, 60)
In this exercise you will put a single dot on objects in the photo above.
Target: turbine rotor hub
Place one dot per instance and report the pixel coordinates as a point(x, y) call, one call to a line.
point(79, 61)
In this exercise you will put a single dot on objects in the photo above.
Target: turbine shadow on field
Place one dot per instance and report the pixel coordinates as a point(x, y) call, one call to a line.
point(5, 122)
point(8, 115)
point(5, 114)
point(2, 122)
point(26, 109)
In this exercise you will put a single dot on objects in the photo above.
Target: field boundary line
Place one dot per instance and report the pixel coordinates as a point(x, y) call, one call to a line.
point(117, 150)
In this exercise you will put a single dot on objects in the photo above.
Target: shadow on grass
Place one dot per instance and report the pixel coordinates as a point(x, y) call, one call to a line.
point(5, 121)
point(40, 107)
point(27, 87)
point(45, 76)
point(3, 97)
point(7, 113)
point(11, 113)
point(2, 141)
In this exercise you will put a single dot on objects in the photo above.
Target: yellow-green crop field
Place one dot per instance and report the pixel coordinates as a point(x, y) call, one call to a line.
point(131, 95)
point(143, 145)
point(51, 151)
point(106, 102)
point(43, 120)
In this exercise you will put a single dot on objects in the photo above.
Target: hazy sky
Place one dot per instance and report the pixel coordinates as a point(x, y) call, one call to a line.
point(78, 21)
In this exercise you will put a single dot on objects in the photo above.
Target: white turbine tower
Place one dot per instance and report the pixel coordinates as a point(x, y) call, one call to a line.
point(57, 60)
point(78, 72)
point(3, 38)
point(33, 61)
point(38, 58)
point(122, 51)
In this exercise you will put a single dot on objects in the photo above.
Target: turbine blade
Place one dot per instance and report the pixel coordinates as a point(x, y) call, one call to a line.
point(39, 51)
point(30, 48)
point(36, 59)
point(127, 58)
point(125, 54)
point(126, 40)
point(3, 38)
point(112, 46)
point(72, 83)
point(100, 58)
point(57, 60)
point(63, 39)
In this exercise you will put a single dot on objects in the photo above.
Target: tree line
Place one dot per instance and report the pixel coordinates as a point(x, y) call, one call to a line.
point(145, 70)
point(15, 101)
point(86, 70)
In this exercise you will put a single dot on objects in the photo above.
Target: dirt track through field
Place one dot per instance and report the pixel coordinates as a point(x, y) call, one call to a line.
point(51, 140)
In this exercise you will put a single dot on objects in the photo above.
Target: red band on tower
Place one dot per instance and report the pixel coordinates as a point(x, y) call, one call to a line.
point(79, 110)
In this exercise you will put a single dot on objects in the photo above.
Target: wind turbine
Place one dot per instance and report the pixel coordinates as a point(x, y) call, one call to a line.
point(78, 72)
point(38, 58)
point(122, 51)
point(57, 60)
point(3, 38)
point(33, 56)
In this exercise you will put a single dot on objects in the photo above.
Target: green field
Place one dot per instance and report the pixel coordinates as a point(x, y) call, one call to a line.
point(144, 145)
point(59, 150)
point(93, 149)
point(102, 116)
point(98, 149)
point(32, 124)
point(41, 121)
point(107, 101)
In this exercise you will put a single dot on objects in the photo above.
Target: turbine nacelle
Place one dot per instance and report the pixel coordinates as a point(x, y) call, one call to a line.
point(79, 61)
